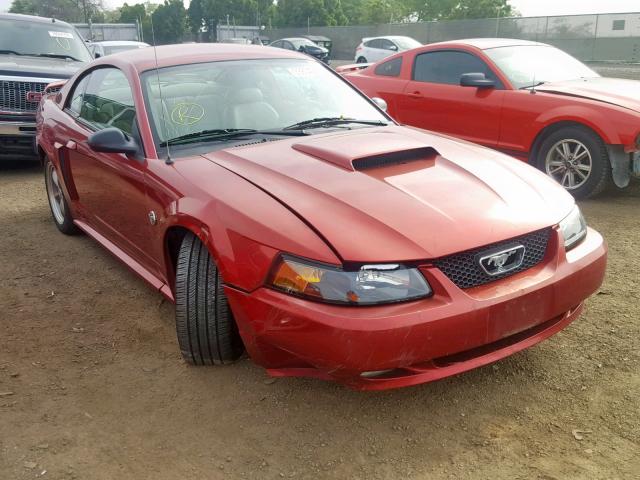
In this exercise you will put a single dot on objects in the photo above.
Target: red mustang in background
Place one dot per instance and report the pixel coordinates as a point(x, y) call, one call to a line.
point(527, 99)
point(287, 215)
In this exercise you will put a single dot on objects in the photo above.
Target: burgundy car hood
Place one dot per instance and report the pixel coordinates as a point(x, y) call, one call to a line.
point(616, 91)
point(397, 194)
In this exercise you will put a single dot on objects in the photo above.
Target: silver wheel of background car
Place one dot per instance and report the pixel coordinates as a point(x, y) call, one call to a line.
point(56, 198)
point(569, 163)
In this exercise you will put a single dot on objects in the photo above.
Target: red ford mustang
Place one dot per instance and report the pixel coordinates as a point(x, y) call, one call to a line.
point(527, 99)
point(286, 215)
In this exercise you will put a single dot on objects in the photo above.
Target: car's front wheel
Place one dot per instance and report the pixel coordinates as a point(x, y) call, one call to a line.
point(361, 60)
point(57, 203)
point(207, 332)
point(577, 159)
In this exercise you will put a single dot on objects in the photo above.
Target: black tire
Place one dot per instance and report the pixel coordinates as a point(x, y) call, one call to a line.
point(58, 205)
point(599, 176)
point(207, 331)
point(361, 60)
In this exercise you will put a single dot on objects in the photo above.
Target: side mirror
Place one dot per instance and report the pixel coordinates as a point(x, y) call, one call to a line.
point(394, 48)
point(112, 140)
point(380, 103)
point(96, 55)
point(478, 80)
point(301, 48)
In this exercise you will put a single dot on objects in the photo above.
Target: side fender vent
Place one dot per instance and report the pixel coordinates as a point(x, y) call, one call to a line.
point(394, 158)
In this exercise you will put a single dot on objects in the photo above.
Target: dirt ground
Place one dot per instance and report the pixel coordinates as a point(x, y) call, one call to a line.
point(92, 385)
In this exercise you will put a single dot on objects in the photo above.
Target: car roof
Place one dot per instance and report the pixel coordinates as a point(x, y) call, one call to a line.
point(32, 18)
point(388, 37)
point(143, 59)
point(486, 43)
point(294, 38)
point(116, 43)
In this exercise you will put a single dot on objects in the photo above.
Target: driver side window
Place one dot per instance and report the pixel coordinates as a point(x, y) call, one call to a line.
point(108, 101)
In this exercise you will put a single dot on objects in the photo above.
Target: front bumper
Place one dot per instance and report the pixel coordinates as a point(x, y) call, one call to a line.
point(17, 138)
point(405, 344)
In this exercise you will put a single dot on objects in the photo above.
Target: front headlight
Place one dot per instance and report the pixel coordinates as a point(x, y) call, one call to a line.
point(573, 228)
point(368, 285)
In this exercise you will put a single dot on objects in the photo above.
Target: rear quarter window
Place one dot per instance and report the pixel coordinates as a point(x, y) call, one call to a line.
point(390, 68)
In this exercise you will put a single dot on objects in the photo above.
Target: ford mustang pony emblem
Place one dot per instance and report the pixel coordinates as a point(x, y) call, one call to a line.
point(503, 261)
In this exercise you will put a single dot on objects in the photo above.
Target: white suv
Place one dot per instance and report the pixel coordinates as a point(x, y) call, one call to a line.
point(373, 49)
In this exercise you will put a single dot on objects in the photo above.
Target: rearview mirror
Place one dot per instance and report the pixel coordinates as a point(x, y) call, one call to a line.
point(380, 103)
point(112, 140)
point(478, 80)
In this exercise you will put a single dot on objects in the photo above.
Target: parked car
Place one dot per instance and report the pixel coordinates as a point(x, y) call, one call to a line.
point(107, 47)
point(34, 52)
point(303, 45)
point(373, 49)
point(527, 99)
point(321, 41)
point(285, 214)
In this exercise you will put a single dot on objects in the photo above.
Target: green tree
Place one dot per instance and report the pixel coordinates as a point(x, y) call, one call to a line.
point(169, 22)
point(67, 10)
point(205, 15)
point(458, 9)
point(137, 13)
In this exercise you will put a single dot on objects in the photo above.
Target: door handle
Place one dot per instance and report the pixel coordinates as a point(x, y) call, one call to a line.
point(71, 145)
point(415, 94)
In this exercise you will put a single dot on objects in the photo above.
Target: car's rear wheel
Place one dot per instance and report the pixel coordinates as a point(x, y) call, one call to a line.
point(577, 159)
point(57, 203)
point(361, 60)
point(207, 331)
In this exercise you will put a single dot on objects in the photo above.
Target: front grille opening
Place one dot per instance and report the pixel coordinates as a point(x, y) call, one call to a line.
point(394, 158)
point(464, 270)
point(13, 95)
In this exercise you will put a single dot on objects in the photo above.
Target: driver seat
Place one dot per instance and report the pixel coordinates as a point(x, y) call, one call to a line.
point(247, 109)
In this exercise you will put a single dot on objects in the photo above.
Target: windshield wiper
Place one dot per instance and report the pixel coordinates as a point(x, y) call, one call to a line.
point(10, 52)
point(537, 84)
point(328, 121)
point(223, 134)
point(55, 55)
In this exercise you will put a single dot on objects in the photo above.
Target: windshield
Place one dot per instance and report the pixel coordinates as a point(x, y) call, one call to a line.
point(528, 65)
point(36, 38)
point(269, 94)
point(297, 42)
point(406, 43)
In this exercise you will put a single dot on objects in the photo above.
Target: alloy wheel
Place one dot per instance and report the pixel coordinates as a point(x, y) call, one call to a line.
point(54, 192)
point(569, 162)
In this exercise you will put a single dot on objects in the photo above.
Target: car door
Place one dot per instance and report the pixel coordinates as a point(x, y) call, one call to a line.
point(434, 99)
point(375, 50)
point(387, 48)
point(109, 188)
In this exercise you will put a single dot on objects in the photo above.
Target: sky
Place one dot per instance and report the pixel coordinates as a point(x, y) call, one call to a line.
point(528, 8)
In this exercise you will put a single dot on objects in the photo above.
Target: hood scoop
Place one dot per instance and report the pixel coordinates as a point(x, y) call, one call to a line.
point(394, 158)
point(364, 151)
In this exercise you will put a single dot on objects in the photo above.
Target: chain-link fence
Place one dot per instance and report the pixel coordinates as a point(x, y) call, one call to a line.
point(591, 38)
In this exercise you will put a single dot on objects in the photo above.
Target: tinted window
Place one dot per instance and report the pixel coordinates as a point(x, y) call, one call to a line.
point(375, 43)
point(75, 104)
point(277, 44)
point(387, 44)
point(447, 67)
point(108, 101)
point(390, 68)
point(288, 45)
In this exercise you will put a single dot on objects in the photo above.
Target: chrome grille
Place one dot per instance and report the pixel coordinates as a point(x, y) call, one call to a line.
point(464, 269)
point(13, 96)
